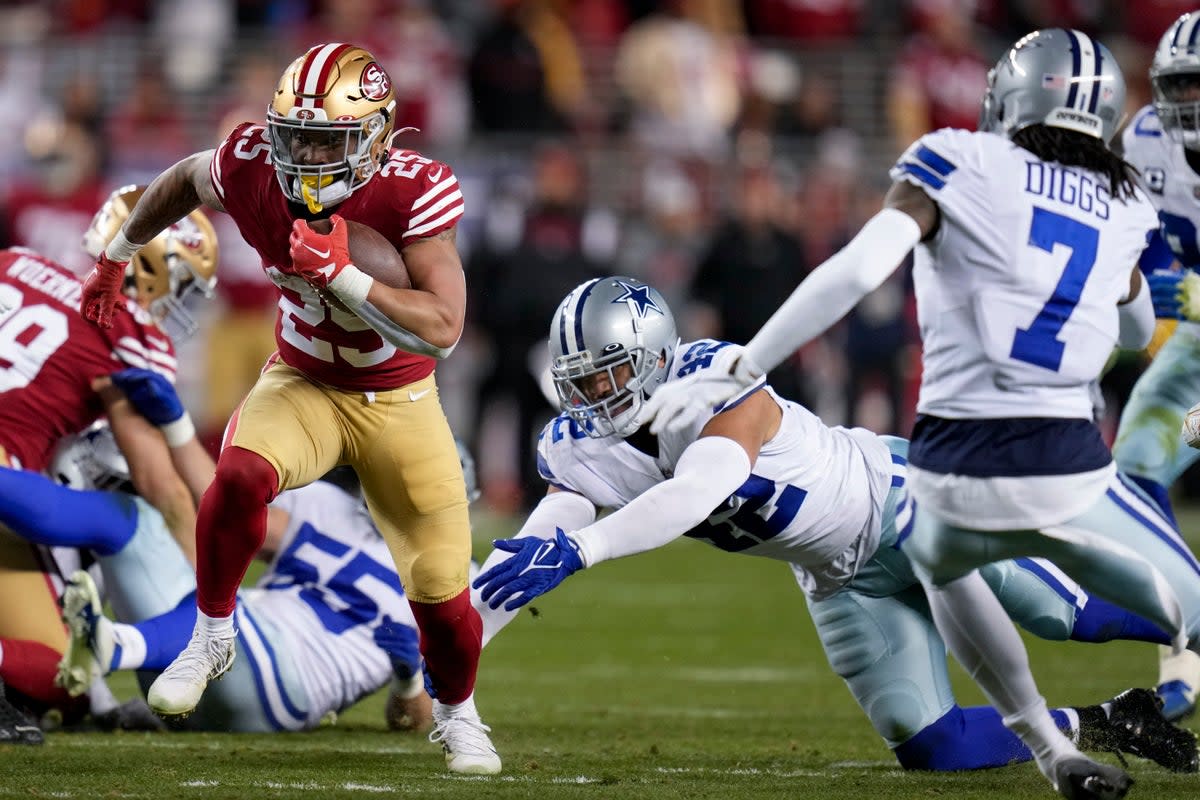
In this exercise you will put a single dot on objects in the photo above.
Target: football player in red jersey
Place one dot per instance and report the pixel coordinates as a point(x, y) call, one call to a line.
point(353, 379)
point(54, 370)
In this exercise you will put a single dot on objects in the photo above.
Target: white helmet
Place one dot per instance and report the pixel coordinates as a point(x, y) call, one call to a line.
point(91, 460)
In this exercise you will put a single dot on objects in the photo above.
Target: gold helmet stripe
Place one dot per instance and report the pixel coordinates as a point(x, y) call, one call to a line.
point(318, 64)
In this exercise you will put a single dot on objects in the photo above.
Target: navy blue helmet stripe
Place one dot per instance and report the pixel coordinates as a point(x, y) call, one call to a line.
point(562, 326)
point(1096, 84)
point(922, 174)
point(935, 162)
point(1195, 22)
point(1076, 63)
point(1175, 35)
point(583, 296)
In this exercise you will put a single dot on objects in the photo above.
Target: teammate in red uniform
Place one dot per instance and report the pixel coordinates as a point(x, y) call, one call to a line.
point(53, 382)
point(353, 380)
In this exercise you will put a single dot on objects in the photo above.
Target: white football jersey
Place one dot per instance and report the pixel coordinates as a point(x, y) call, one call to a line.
point(1017, 291)
point(814, 499)
point(1169, 181)
point(329, 585)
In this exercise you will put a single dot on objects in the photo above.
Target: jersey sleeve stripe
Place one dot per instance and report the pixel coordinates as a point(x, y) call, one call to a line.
point(939, 164)
point(437, 189)
point(214, 169)
point(455, 212)
point(922, 174)
point(435, 208)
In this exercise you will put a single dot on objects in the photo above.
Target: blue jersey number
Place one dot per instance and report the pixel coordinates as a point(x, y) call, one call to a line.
point(751, 515)
point(1039, 344)
point(351, 596)
point(1180, 233)
point(699, 356)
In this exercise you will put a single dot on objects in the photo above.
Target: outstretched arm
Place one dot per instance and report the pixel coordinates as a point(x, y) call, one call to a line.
point(858, 269)
point(823, 298)
point(168, 198)
point(37, 509)
point(710, 470)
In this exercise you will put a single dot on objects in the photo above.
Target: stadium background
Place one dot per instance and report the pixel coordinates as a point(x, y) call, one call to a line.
point(717, 148)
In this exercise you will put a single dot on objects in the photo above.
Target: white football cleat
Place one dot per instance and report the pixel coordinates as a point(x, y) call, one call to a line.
point(464, 739)
point(177, 690)
point(90, 638)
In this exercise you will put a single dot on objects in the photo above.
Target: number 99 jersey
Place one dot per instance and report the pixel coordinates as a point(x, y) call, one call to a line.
point(814, 499)
point(1017, 291)
point(49, 356)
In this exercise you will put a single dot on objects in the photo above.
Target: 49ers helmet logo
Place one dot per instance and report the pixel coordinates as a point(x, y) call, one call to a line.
point(375, 83)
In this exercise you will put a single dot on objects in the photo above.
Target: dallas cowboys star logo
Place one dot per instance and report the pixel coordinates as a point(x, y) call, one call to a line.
point(639, 298)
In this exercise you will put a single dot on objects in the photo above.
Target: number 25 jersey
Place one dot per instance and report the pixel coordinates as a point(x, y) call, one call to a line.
point(411, 198)
point(1017, 291)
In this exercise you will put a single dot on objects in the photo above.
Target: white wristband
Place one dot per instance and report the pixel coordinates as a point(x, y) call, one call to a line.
point(179, 432)
point(351, 286)
point(120, 249)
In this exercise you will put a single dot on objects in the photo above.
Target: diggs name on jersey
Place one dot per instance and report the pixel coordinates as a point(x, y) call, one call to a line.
point(1067, 186)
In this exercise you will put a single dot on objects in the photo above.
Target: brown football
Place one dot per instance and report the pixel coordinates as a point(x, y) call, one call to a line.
point(371, 252)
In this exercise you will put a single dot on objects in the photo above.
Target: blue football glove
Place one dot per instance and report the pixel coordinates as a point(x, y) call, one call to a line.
point(402, 644)
point(537, 566)
point(151, 393)
point(1166, 291)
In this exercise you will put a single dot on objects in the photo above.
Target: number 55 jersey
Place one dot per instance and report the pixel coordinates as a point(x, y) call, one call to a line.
point(1017, 325)
point(815, 498)
point(49, 356)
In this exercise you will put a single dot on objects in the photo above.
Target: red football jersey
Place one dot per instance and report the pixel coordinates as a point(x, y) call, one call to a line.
point(411, 198)
point(49, 355)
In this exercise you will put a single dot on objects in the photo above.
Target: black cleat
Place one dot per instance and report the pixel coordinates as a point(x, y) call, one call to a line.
point(1135, 725)
point(132, 715)
point(1083, 779)
point(15, 728)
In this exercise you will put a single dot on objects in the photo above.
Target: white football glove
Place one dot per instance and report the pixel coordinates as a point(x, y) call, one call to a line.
point(1191, 427)
point(676, 404)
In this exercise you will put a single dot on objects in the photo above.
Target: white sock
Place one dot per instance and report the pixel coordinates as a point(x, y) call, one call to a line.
point(214, 627)
point(464, 709)
point(100, 697)
point(986, 643)
point(129, 647)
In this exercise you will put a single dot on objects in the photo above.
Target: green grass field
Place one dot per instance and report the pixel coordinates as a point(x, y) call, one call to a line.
point(686, 673)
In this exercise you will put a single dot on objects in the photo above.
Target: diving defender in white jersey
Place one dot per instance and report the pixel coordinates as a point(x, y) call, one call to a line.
point(763, 476)
point(1027, 234)
point(1163, 142)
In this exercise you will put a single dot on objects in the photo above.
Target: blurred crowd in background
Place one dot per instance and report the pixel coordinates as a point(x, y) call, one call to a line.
point(718, 149)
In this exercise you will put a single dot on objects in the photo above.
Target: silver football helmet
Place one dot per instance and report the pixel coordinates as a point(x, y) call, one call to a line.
point(611, 344)
point(91, 459)
point(1056, 77)
point(1175, 78)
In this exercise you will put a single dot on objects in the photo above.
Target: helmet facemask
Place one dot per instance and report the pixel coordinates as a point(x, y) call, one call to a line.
point(1177, 103)
point(355, 151)
point(602, 397)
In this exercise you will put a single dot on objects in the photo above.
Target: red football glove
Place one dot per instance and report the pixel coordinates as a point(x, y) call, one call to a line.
point(319, 257)
point(102, 291)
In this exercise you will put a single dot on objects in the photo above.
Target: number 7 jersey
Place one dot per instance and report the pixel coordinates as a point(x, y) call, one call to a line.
point(1017, 291)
